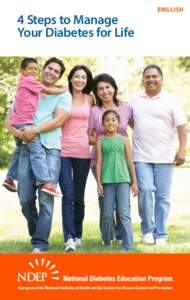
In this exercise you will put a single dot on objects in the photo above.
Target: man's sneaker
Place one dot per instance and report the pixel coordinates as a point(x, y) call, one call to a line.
point(107, 244)
point(124, 249)
point(70, 245)
point(10, 185)
point(49, 189)
point(161, 242)
point(148, 238)
point(38, 250)
point(78, 242)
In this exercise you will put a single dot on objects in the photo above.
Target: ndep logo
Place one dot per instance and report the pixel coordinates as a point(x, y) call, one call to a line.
point(39, 271)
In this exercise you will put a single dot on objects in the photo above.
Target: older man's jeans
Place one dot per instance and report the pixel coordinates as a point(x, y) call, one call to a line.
point(39, 220)
point(154, 182)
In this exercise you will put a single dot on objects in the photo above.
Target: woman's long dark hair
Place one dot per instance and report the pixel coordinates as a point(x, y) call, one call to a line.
point(88, 88)
point(104, 77)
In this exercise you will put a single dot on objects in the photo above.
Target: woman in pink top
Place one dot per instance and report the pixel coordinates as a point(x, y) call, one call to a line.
point(75, 156)
point(105, 91)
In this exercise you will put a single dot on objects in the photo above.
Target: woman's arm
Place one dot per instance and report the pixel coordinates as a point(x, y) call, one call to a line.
point(131, 124)
point(91, 100)
point(131, 167)
point(99, 167)
point(92, 137)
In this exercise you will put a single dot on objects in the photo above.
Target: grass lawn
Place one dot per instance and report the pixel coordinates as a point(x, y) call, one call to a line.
point(14, 236)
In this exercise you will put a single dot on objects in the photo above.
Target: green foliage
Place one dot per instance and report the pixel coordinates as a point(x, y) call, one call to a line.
point(8, 77)
point(6, 138)
point(184, 63)
point(9, 65)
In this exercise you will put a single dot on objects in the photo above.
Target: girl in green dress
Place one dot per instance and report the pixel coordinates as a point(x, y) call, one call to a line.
point(115, 173)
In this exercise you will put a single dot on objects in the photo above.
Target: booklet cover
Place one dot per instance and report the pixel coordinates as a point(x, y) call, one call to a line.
point(120, 39)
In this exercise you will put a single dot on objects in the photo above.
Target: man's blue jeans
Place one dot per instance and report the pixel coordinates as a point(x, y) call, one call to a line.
point(73, 176)
point(39, 221)
point(117, 193)
point(37, 157)
point(13, 165)
point(154, 182)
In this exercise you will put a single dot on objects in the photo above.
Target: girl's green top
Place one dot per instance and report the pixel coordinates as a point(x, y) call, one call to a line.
point(114, 161)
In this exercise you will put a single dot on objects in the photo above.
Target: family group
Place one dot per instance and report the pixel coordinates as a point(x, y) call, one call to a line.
point(63, 131)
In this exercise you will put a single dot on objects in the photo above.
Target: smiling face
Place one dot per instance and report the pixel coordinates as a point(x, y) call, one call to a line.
point(105, 92)
point(51, 74)
point(79, 80)
point(30, 70)
point(111, 122)
point(152, 81)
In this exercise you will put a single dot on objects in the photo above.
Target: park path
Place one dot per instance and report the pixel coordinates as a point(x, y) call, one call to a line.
point(180, 198)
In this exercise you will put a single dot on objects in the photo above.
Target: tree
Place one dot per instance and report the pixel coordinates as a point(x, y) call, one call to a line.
point(184, 63)
point(8, 73)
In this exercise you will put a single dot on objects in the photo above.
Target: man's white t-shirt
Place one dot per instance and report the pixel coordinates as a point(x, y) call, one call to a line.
point(155, 121)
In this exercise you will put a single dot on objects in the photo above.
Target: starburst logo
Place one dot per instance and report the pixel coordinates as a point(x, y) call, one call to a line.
point(40, 270)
